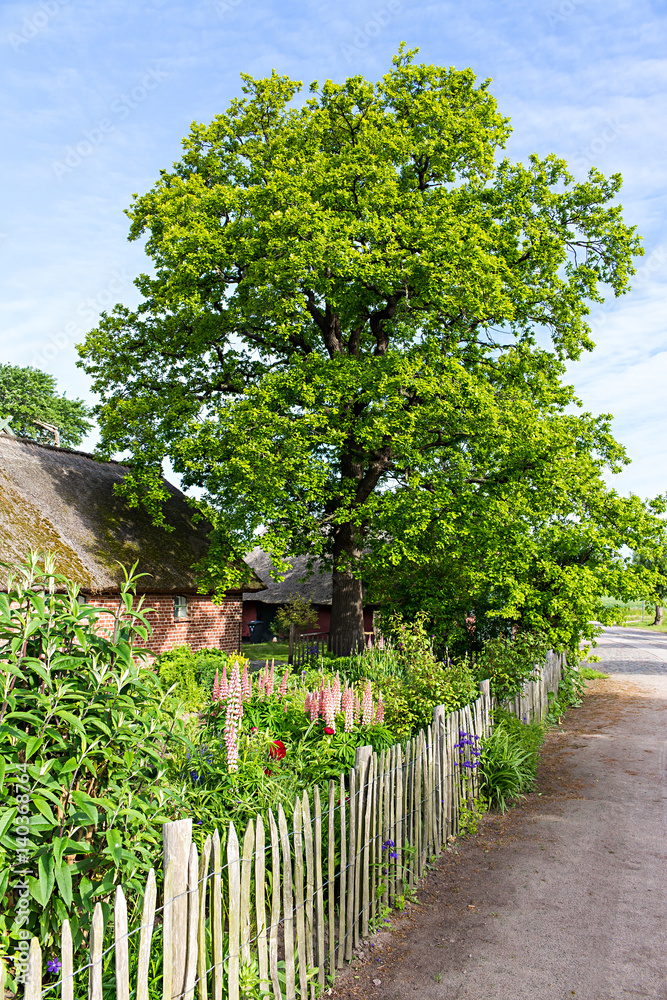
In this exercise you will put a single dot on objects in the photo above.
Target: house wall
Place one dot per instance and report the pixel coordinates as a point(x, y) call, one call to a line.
point(254, 610)
point(207, 626)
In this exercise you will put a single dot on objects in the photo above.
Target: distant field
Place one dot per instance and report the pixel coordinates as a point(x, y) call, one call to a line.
point(636, 614)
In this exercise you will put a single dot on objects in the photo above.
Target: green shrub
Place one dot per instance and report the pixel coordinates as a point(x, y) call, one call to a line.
point(190, 674)
point(509, 760)
point(375, 665)
point(84, 744)
point(570, 692)
point(509, 663)
point(411, 696)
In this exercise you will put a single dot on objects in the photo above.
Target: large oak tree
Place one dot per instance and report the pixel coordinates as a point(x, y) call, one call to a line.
point(357, 320)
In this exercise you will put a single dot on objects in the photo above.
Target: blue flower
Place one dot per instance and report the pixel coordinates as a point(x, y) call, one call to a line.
point(388, 843)
point(393, 854)
point(54, 965)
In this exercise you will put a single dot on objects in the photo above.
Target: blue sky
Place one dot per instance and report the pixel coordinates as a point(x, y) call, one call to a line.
point(97, 96)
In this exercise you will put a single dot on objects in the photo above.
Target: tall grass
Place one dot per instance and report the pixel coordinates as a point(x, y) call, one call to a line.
point(509, 760)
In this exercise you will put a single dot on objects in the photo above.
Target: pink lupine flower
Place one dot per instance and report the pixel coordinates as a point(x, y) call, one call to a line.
point(234, 712)
point(224, 684)
point(234, 696)
point(367, 706)
point(322, 699)
point(379, 711)
point(348, 708)
point(306, 704)
point(381, 642)
point(215, 693)
point(337, 693)
point(357, 710)
point(246, 684)
point(329, 711)
point(314, 707)
point(231, 740)
point(270, 681)
point(282, 690)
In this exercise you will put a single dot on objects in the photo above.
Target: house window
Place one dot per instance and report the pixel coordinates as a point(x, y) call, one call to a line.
point(180, 607)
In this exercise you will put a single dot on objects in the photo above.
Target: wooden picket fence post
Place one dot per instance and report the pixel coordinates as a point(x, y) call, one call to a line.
point(290, 900)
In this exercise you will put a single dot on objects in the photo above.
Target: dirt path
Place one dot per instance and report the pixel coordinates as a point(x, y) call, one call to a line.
point(564, 896)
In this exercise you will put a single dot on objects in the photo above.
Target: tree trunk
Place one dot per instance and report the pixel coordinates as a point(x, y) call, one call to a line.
point(659, 614)
point(346, 631)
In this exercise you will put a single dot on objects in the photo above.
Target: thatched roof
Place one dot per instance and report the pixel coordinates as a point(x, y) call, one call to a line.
point(63, 501)
point(317, 587)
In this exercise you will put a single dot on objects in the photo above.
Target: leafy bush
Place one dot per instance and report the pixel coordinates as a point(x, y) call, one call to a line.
point(84, 738)
point(509, 663)
point(410, 698)
point(570, 692)
point(376, 665)
point(509, 759)
point(189, 675)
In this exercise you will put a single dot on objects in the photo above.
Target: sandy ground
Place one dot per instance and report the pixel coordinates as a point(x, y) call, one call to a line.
point(566, 895)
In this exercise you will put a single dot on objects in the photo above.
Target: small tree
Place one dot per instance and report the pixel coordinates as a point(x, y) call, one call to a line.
point(657, 563)
point(30, 401)
point(299, 615)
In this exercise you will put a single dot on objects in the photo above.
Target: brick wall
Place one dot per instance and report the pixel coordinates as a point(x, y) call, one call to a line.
point(207, 625)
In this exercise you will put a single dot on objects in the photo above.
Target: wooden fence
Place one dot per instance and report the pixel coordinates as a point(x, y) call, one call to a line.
point(276, 910)
point(310, 646)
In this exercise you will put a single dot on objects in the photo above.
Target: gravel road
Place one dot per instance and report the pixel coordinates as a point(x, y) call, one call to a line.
point(567, 894)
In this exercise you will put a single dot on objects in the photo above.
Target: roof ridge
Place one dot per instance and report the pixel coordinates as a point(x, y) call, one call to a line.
point(16, 438)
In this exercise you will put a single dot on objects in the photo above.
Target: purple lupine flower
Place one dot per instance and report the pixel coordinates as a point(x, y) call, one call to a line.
point(393, 854)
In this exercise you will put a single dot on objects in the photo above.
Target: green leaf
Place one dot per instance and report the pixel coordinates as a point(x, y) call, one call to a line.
point(63, 876)
point(42, 886)
point(2, 773)
point(86, 805)
point(115, 842)
point(32, 745)
point(44, 809)
point(72, 720)
point(6, 817)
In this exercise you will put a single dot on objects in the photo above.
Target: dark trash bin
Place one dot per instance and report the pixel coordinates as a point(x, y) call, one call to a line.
point(256, 630)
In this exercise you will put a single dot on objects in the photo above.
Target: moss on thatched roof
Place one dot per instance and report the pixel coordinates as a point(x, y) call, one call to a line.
point(63, 501)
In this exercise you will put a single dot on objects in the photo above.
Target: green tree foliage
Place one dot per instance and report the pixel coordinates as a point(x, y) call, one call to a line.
point(298, 612)
point(356, 326)
point(27, 395)
point(537, 558)
point(656, 563)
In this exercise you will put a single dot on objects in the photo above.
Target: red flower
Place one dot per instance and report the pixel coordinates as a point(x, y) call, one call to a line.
point(329, 731)
point(277, 750)
point(266, 771)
